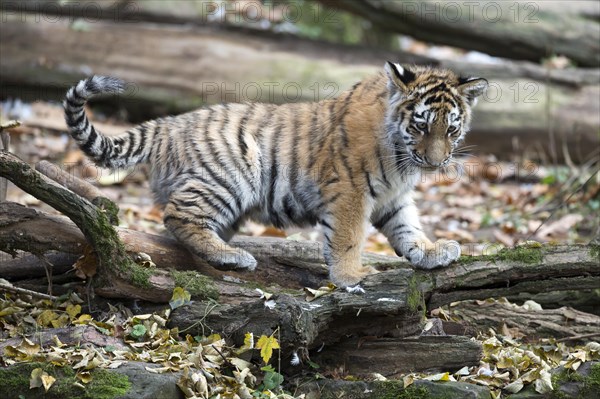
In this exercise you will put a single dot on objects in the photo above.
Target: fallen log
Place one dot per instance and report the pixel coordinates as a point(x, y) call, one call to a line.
point(145, 55)
point(563, 322)
point(520, 30)
point(29, 266)
point(116, 273)
point(393, 357)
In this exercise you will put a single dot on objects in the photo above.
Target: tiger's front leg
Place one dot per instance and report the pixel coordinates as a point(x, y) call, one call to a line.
point(399, 222)
point(345, 227)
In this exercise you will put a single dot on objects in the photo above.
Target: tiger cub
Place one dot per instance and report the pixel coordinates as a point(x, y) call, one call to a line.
point(341, 162)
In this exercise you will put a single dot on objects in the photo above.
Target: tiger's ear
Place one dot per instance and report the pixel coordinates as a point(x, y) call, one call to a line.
point(399, 76)
point(472, 88)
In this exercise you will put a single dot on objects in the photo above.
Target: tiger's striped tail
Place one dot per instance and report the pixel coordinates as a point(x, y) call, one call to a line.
point(112, 152)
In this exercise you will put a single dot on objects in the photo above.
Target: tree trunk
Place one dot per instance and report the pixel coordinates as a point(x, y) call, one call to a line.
point(519, 30)
point(170, 69)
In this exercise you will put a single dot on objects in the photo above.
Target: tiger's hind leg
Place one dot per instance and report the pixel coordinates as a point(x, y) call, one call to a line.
point(201, 228)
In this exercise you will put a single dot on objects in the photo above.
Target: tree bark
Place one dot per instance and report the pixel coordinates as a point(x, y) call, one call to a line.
point(557, 323)
point(518, 30)
point(40, 60)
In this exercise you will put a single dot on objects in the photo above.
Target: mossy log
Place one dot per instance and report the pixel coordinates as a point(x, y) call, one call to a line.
point(117, 274)
point(171, 69)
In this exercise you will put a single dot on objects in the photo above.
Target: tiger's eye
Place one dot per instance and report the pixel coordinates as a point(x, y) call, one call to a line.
point(421, 125)
point(452, 129)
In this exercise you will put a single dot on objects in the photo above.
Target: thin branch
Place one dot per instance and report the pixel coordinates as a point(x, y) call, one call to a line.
point(562, 204)
point(579, 337)
point(4, 145)
point(23, 291)
point(73, 183)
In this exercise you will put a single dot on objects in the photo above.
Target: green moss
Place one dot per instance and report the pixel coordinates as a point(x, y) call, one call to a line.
point(108, 385)
point(140, 276)
point(395, 390)
point(14, 380)
point(589, 387)
point(595, 251)
point(109, 207)
point(104, 384)
point(195, 283)
point(523, 254)
point(414, 298)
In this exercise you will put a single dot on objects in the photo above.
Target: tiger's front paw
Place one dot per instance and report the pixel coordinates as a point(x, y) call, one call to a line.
point(348, 277)
point(425, 255)
point(232, 259)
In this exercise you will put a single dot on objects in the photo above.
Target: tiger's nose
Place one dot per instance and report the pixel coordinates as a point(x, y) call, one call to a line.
point(433, 162)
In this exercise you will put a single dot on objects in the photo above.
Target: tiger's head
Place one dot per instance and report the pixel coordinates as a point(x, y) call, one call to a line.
point(429, 113)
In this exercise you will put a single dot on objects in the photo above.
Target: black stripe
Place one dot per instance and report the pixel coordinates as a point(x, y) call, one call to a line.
point(386, 217)
point(83, 130)
point(325, 224)
point(223, 183)
point(75, 122)
point(323, 170)
point(381, 167)
point(142, 129)
point(185, 202)
point(87, 146)
point(399, 158)
point(344, 112)
point(232, 156)
point(382, 95)
point(327, 240)
point(157, 141)
point(331, 181)
point(273, 175)
point(346, 165)
point(74, 105)
point(401, 233)
point(265, 123)
point(371, 189)
point(218, 179)
point(214, 194)
point(207, 200)
point(439, 87)
point(294, 161)
point(132, 142)
point(312, 145)
point(396, 228)
point(288, 207)
point(107, 147)
point(333, 199)
point(241, 140)
point(75, 96)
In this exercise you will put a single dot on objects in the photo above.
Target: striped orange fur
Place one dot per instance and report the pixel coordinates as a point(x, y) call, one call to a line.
point(343, 163)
